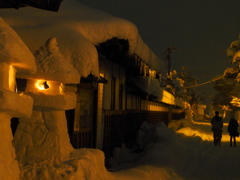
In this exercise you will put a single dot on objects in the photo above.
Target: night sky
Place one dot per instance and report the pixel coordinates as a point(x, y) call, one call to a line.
point(200, 30)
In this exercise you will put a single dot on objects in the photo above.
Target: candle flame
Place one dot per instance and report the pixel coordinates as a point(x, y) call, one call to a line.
point(40, 84)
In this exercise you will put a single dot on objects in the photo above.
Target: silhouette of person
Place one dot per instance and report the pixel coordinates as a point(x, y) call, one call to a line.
point(233, 130)
point(217, 125)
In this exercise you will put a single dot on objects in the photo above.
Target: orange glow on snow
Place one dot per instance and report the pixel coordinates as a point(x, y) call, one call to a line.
point(205, 134)
point(7, 77)
point(235, 101)
point(40, 84)
point(168, 98)
point(50, 87)
point(61, 88)
point(151, 107)
point(12, 78)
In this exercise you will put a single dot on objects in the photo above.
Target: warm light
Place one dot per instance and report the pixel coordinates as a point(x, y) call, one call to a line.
point(16, 90)
point(152, 73)
point(196, 130)
point(235, 101)
point(47, 87)
point(168, 98)
point(61, 88)
point(151, 107)
point(42, 85)
point(12, 78)
point(225, 108)
point(7, 76)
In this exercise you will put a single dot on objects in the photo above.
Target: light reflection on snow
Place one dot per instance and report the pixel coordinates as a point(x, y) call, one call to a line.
point(12, 81)
point(203, 130)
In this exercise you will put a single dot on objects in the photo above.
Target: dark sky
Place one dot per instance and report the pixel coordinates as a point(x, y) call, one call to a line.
point(201, 30)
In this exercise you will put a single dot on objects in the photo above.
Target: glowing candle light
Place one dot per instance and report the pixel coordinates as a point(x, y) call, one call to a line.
point(42, 85)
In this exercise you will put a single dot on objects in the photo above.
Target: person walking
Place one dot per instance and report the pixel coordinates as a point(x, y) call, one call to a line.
point(217, 125)
point(233, 130)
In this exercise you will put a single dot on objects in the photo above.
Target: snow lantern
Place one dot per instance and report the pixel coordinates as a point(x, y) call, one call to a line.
point(15, 57)
point(44, 138)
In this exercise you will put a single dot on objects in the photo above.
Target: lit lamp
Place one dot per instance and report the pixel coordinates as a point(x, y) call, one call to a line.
point(42, 85)
point(15, 57)
point(48, 119)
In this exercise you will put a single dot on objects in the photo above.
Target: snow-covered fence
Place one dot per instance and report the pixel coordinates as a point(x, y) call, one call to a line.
point(120, 127)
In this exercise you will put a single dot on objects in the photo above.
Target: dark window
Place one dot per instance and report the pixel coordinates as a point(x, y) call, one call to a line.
point(121, 96)
point(113, 90)
point(21, 85)
point(14, 124)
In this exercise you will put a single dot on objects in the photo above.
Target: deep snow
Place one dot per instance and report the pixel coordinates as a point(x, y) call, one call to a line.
point(188, 153)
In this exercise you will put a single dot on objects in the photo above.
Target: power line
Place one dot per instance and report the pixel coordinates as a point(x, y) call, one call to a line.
point(205, 82)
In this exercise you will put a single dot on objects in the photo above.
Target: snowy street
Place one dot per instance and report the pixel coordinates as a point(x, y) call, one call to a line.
point(191, 156)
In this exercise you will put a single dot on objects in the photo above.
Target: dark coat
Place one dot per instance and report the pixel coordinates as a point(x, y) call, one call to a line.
point(217, 123)
point(233, 127)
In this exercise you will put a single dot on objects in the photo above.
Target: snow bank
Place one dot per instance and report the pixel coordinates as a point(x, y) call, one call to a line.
point(83, 164)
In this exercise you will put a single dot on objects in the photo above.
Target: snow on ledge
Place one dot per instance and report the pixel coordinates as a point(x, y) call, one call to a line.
point(64, 102)
point(16, 105)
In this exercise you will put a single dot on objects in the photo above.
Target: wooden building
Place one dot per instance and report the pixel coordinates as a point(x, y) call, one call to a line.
point(111, 108)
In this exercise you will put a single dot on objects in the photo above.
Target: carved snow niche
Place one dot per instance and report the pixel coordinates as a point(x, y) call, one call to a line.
point(15, 57)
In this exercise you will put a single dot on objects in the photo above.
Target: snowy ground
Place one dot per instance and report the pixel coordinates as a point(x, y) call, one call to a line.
point(187, 154)
point(182, 151)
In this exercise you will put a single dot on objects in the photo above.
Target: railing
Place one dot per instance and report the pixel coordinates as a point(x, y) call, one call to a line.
point(121, 127)
point(82, 139)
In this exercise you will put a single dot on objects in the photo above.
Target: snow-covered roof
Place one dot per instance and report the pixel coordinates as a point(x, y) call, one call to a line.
point(78, 29)
point(13, 50)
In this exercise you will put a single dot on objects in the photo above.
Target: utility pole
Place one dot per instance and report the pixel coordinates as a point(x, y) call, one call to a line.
point(168, 57)
point(169, 84)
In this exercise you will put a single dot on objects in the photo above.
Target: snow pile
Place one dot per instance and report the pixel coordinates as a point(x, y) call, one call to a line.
point(187, 152)
point(176, 125)
point(176, 156)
